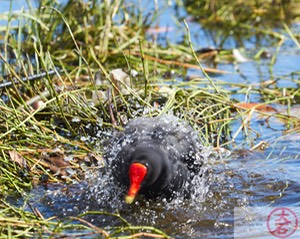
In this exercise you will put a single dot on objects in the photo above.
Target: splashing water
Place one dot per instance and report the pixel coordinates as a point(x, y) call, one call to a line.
point(110, 196)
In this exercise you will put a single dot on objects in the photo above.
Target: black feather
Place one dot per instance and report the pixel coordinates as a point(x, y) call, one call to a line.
point(170, 149)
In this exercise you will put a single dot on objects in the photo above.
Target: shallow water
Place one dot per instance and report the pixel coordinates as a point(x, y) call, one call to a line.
point(242, 180)
point(246, 178)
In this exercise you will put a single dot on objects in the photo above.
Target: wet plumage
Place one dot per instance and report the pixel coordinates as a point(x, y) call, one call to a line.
point(169, 149)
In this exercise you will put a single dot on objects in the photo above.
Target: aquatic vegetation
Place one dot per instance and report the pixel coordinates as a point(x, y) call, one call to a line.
point(244, 19)
point(100, 65)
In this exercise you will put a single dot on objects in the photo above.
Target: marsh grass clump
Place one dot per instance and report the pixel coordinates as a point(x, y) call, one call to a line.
point(244, 22)
point(98, 70)
point(240, 14)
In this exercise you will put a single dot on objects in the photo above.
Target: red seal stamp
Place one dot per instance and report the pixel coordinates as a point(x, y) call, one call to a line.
point(282, 222)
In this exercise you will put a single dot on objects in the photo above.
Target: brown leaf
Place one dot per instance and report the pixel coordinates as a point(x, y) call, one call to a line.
point(56, 159)
point(256, 106)
point(17, 158)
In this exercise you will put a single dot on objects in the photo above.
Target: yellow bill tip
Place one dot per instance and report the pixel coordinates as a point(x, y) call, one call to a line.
point(129, 199)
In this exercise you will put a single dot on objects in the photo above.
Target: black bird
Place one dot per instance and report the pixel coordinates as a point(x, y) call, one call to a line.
point(155, 157)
